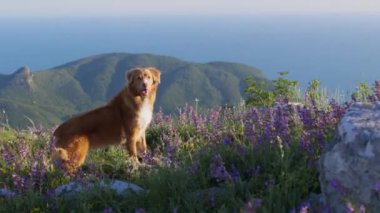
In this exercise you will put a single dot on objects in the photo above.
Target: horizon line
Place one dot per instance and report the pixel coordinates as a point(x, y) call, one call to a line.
point(284, 14)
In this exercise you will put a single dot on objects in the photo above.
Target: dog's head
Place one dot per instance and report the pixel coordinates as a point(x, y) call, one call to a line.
point(143, 81)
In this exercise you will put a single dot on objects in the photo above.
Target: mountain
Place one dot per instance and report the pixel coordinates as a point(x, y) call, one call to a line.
point(50, 96)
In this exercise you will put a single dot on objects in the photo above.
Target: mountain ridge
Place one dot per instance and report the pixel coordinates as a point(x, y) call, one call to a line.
point(50, 96)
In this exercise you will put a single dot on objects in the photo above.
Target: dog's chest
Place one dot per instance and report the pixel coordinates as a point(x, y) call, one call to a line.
point(144, 116)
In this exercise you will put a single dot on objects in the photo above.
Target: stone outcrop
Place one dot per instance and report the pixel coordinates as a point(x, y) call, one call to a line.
point(23, 78)
point(350, 167)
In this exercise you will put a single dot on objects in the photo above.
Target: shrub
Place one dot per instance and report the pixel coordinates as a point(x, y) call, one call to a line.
point(361, 93)
point(257, 95)
point(285, 89)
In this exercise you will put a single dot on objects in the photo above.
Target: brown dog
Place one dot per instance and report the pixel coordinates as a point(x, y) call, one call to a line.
point(123, 120)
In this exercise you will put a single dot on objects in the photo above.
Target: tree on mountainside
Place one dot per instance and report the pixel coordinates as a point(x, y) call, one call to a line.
point(257, 95)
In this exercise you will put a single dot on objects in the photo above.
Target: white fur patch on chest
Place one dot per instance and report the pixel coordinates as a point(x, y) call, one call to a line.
point(145, 116)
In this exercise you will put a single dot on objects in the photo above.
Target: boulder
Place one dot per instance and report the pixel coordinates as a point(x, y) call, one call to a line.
point(350, 167)
point(121, 187)
point(69, 189)
point(6, 193)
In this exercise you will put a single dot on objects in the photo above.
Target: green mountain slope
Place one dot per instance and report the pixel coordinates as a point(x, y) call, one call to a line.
point(51, 96)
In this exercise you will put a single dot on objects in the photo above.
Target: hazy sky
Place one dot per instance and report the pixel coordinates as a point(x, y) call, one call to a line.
point(69, 8)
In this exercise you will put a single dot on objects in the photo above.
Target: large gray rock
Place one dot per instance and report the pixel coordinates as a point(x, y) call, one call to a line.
point(6, 193)
point(69, 189)
point(350, 169)
point(73, 188)
point(121, 186)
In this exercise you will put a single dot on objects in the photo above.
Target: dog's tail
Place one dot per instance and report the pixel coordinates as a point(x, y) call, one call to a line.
point(71, 156)
point(63, 162)
point(61, 154)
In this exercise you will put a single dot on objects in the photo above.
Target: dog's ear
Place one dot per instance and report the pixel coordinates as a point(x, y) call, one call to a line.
point(156, 75)
point(129, 75)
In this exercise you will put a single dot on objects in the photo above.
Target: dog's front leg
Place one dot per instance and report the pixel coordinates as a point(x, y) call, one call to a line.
point(132, 146)
point(142, 145)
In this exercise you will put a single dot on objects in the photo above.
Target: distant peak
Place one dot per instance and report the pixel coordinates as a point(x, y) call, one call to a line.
point(23, 77)
point(23, 71)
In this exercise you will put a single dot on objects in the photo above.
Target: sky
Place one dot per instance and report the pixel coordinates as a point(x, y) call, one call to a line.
point(111, 8)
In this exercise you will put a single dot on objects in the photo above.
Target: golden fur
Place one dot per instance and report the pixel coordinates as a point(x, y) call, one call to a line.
point(123, 120)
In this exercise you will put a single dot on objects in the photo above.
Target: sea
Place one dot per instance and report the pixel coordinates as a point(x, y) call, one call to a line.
point(341, 51)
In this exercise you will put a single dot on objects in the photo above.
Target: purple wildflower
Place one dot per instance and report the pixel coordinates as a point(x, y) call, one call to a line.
point(107, 210)
point(22, 149)
point(235, 175)
point(304, 207)
point(211, 199)
point(280, 124)
point(269, 183)
point(305, 143)
point(140, 210)
point(37, 130)
point(218, 170)
point(38, 169)
point(252, 205)
point(267, 135)
point(251, 119)
point(158, 117)
point(376, 186)
point(350, 208)
point(182, 117)
point(362, 209)
point(227, 141)
point(148, 158)
point(8, 157)
point(172, 142)
point(194, 167)
point(306, 118)
point(253, 171)
point(337, 186)
point(214, 116)
point(18, 182)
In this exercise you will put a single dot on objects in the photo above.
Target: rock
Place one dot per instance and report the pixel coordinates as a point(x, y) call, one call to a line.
point(69, 189)
point(121, 186)
point(350, 168)
point(6, 193)
point(23, 78)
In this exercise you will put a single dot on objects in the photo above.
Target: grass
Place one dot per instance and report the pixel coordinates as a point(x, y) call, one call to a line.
point(221, 160)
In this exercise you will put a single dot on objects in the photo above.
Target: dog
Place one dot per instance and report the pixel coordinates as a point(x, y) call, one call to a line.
point(123, 120)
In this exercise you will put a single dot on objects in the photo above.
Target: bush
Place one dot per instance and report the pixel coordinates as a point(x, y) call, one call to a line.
point(285, 89)
point(361, 93)
point(257, 95)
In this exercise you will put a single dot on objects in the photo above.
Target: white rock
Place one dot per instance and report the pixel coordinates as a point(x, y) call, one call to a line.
point(6, 193)
point(121, 186)
point(351, 167)
point(68, 189)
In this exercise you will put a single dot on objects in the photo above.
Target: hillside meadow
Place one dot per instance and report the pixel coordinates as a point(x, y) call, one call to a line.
point(241, 158)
